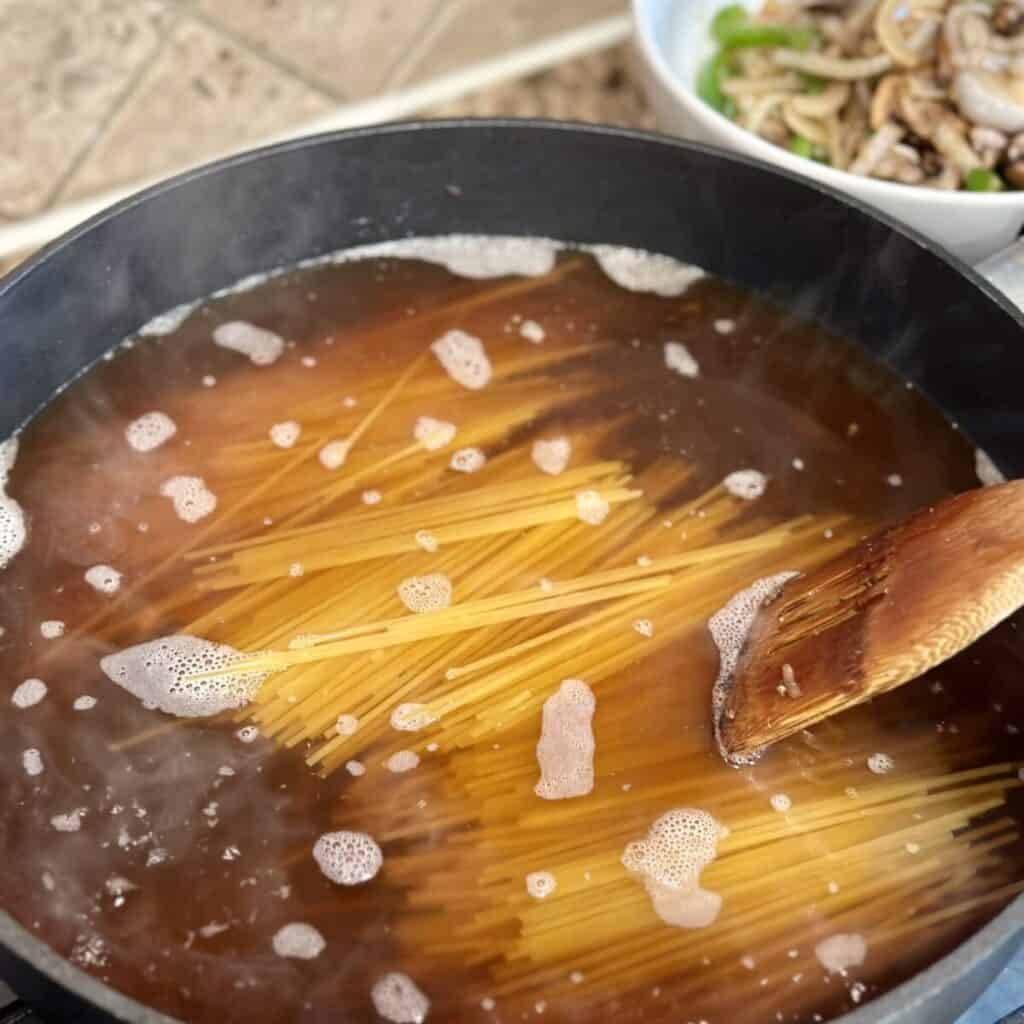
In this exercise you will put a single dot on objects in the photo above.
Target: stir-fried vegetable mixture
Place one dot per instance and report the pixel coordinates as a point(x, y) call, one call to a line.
point(922, 92)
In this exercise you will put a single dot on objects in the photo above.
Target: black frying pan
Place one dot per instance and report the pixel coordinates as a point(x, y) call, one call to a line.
point(929, 317)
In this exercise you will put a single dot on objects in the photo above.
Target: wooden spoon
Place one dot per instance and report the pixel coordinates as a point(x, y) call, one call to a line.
point(877, 616)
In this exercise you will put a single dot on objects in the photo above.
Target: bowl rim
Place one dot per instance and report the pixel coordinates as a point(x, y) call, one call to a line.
point(653, 53)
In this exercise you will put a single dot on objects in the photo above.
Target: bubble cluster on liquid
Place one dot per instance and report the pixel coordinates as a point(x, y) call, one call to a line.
point(191, 498)
point(679, 359)
point(640, 271)
point(428, 593)
point(565, 750)
point(729, 627)
point(724, 325)
point(157, 673)
point(371, 496)
point(333, 454)
point(532, 331)
point(261, 346)
point(347, 858)
point(84, 703)
point(13, 531)
point(591, 507)
point(473, 256)
point(104, 579)
point(468, 460)
point(464, 359)
point(838, 953)
point(397, 998)
point(880, 764)
point(669, 861)
point(346, 725)
point(644, 627)
point(51, 629)
point(780, 802)
point(68, 822)
point(285, 434)
point(355, 768)
point(551, 455)
point(433, 434)
point(541, 884)
point(150, 431)
point(402, 761)
point(32, 761)
point(748, 484)
point(426, 540)
point(298, 941)
point(28, 693)
point(411, 717)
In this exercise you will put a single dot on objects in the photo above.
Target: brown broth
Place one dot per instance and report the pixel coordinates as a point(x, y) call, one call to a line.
point(237, 847)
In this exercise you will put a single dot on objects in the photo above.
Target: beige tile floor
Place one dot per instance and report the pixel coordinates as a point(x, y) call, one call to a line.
point(97, 94)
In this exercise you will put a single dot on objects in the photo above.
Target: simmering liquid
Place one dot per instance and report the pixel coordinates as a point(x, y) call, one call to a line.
point(475, 865)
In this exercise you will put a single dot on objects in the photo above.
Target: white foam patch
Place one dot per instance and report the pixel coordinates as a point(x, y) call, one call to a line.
point(987, 471)
point(639, 271)
point(403, 761)
point(29, 693)
point(729, 627)
point(51, 629)
point(84, 703)
point(426, 540)
point(263, 347)
point(355, 768)
point(298, 941)
point(724, 325)
point(13, 532)
point(70, 822)
point(397, 998)
point(372, 497)
point(565, 751)
point(348, 858)
point(532, 332)
point(748, 484)
point(104, 579)
point(880, 764)
point(541, 884)
point(644, 627)
point(838, 953)
point(248, 734)
point(412, 717)
point(669, 861)
point(191, 498)
point(346, 725)
point(464, 359)
point(552, 456)
point(475, 256)
point(32, 762)
point(333, 454)
point(167, 323)
point(428, 593)
point(468, 460)
point(433, 434)
point(285, 434)
point(679, 360)
point(780, 803)
point(149, 431)
point(156, 673)
point(591, 508)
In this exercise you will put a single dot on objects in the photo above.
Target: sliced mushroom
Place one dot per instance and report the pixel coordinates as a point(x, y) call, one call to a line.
point(1014, 173)
point(825, 103)
point(895, 166)
point(890, 19)
point(883, 103)
point(988, 143)
point(876, 147)
point(844, 69)
point(949, 137)
point(996, 101)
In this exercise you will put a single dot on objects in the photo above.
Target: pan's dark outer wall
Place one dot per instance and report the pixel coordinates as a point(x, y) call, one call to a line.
point(927, 316)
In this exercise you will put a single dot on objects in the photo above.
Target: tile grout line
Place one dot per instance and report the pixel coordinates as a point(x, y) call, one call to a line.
point(443, 13)
point(26, 235)
point(253, 50)
point(134, 80)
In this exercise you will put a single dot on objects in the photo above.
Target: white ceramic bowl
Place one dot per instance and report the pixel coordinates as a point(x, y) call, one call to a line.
point(674, 40)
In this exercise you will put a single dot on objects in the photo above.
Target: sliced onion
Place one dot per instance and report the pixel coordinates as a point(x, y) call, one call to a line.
point(991, 100)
